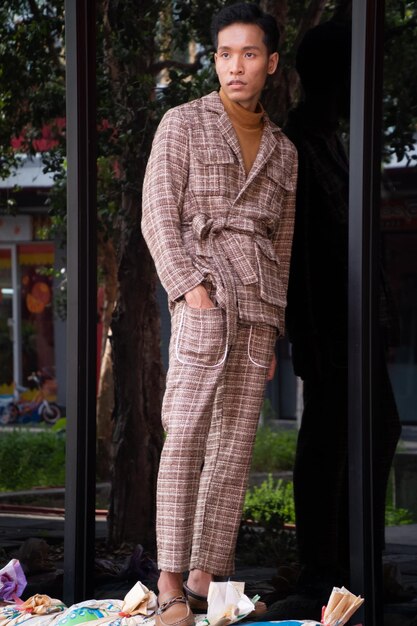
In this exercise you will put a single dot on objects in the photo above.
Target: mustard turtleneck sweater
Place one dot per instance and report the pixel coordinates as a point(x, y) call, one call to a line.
point(248, 127)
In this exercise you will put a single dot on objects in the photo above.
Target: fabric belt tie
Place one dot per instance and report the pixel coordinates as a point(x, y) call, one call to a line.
point(204, 226)
point(218, 238)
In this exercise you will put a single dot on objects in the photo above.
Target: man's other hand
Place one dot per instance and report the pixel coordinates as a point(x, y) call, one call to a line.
point(198, 298)
point(272, 368)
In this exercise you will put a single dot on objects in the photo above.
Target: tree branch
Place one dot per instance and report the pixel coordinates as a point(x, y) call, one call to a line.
point(190, 68)
point(310, 19)
point(280, 12)
point(398, 30)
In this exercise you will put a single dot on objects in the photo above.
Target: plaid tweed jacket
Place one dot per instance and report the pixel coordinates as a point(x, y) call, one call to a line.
point(204, 220)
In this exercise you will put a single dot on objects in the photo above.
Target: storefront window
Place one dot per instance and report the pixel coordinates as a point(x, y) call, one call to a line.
point(6, 321)
point(27, 351)
point(35, 263)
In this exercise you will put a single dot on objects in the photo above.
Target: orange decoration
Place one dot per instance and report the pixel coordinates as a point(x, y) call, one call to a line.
point(42, 292)
point(34, 305)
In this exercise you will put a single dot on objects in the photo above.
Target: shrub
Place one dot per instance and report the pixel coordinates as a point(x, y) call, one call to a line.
point(271, 504)
point(397, 517)
point(31, 459)
point(274, 450)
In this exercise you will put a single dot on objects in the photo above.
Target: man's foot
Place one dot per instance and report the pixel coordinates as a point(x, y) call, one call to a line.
point(174, 609)
point(198, 582)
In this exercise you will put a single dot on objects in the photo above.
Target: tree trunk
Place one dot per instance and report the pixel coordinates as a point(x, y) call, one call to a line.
point(105, 408)
point(105, 393)
point(137, 437)
point(129, 29)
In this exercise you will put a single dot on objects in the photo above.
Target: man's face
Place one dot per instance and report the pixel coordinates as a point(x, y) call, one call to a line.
point(243, 63)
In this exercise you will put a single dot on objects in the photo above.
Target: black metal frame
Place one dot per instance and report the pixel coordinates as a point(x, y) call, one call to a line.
point(80, 19)
point(364, 209)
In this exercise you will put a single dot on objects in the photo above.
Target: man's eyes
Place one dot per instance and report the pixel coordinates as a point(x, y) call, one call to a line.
point(247, 55)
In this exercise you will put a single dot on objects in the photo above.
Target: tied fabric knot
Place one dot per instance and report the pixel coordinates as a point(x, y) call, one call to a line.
point(40, 604)
point(203, 226)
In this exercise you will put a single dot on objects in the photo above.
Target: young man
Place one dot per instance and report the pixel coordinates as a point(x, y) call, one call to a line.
point(218, 212)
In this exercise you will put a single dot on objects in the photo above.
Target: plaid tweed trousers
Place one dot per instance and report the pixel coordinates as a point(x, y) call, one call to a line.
point(210, 413)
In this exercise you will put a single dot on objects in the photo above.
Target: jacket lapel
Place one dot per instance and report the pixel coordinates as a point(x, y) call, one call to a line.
point(212, 102)
point(266, 149)
point(267, 146)
point(228, 133)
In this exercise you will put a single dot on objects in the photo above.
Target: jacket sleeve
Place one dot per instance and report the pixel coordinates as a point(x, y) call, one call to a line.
point(162, 201)
point(284, 234)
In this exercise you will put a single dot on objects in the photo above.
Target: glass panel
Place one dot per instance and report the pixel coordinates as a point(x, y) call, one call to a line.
point(399, 247)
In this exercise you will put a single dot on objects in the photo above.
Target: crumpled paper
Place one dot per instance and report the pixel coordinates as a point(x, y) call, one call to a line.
point(139, 601)
point(12, 581)
point(227, 603)
point(341, 606)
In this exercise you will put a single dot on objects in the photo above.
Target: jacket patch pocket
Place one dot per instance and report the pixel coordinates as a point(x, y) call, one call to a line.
point(262, 339)
point(274, 186)
point(201, 339)
point(270, 283)
point(211, 171)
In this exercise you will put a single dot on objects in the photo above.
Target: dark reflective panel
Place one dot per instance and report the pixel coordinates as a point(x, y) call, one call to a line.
point(317, 306)
point(399, 249)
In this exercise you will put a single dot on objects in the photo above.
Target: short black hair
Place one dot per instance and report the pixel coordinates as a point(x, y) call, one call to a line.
point(246, 13)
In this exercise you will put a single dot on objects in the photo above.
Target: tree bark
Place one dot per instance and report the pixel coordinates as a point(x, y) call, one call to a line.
point(137, 437)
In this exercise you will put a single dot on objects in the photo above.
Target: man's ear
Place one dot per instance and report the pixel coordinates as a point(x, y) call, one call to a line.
point(273, 62)
point(215, 57)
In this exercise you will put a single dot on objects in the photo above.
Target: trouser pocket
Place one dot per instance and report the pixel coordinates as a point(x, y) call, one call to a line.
point(262, 339)
point(201, 336)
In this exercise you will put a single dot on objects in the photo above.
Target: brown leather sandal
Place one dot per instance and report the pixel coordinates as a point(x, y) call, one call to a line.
point(174, 609)
point(198, 603)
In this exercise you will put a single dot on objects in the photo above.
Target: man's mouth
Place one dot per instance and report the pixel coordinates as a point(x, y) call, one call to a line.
point(236, 82)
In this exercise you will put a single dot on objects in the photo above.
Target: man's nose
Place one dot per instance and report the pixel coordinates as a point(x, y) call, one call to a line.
point(236, 66)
